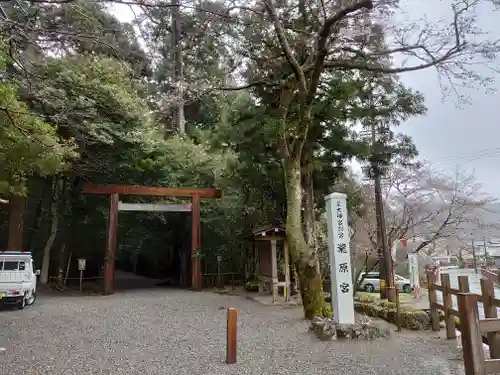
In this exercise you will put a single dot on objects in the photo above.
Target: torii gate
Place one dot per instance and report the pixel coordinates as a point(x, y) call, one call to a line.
point(114, 191)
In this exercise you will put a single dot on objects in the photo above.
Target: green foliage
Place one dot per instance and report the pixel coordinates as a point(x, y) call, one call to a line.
point(410, 318)
point(91, 96)
point(91, 85)
point(28, 145)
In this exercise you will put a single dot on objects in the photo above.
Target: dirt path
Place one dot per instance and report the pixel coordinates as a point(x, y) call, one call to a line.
point(165, 331)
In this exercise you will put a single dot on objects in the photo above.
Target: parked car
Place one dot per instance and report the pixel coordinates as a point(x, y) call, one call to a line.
point(371, 283)
point(17, 278)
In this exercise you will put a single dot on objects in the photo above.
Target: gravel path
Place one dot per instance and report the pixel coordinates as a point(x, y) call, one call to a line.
point(164, 331)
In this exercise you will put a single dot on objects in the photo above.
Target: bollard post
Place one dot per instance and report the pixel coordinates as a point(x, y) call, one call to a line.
point(232, 330)
point(219, 282)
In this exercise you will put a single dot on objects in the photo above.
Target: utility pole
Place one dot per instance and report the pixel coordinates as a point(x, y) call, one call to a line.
point(178, 76)
point(485, 252)
point(384, 256)
point(474, 263)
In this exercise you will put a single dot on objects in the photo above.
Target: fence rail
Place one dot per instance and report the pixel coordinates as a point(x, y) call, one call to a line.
point(473, 330)
point(488, 274)
point(219, 280)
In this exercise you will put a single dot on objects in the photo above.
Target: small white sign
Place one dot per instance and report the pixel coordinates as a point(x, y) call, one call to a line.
point(413, 270)
point(219, 258)
point(82, 263)
point(340, 259)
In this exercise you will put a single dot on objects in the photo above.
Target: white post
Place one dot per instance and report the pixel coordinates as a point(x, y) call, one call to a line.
point(274, 261)
point(287, 271)
point(340, 259)
point(414, 274)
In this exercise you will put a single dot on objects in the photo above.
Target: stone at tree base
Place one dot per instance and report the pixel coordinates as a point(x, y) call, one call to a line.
point(323, 329)
point(326, 329)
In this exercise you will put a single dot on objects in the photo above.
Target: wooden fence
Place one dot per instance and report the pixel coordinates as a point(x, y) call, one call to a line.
point(474, 331)
point(488, 274)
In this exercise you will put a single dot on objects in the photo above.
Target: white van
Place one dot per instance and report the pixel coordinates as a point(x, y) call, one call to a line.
point(17, 278)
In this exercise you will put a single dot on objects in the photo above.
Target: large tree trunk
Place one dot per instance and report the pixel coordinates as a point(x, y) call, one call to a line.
point(44, 277)
point(309, 218)
point(38, 221)
point(302, 256)
point(17, 208)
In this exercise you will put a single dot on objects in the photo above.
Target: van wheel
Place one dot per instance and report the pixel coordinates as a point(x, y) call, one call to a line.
point(406, 288)
point(22, 303)
point(31, 299)
point(369, 288)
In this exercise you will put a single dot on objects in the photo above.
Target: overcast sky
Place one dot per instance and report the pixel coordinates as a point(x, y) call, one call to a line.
point(448, 135)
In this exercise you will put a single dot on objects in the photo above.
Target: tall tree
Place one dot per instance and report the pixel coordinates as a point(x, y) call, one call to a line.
point(29, 145)
point(287, 51)
point(430, 209)
point(300, 45)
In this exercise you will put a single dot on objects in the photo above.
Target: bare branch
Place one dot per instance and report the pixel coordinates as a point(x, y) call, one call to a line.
point(431, 208)
point(280, 33)
point(322, 40)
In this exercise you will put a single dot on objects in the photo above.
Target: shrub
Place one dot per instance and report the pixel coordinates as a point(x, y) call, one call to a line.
point(410, 318)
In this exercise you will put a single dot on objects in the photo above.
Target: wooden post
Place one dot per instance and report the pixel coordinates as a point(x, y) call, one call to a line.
point(463, 284)
point(81, 281)
point(448, 305)
point(433, 301)
point(274, 268)
point(219, 277)
point(287, 270)
point(110, 256)
point(398, 311)
point(232, 332)
point(257, 266)
point(17, 206)
point(472, 343)
point(195, 244)
point(490, 311)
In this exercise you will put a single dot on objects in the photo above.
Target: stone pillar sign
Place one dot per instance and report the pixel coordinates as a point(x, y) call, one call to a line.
point(340, 259)
point(414, 273)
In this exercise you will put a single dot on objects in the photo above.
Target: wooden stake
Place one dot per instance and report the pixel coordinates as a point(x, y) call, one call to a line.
point(232, 328)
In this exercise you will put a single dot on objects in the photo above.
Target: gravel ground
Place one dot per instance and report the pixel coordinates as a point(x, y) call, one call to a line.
point(165, 331)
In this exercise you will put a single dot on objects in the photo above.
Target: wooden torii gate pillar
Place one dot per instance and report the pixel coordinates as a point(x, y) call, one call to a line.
point(114, 191)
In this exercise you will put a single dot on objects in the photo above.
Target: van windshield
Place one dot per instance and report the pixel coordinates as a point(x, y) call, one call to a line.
point(12, 265)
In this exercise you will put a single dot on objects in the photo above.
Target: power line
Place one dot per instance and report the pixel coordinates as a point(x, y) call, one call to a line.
point(468, 157)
